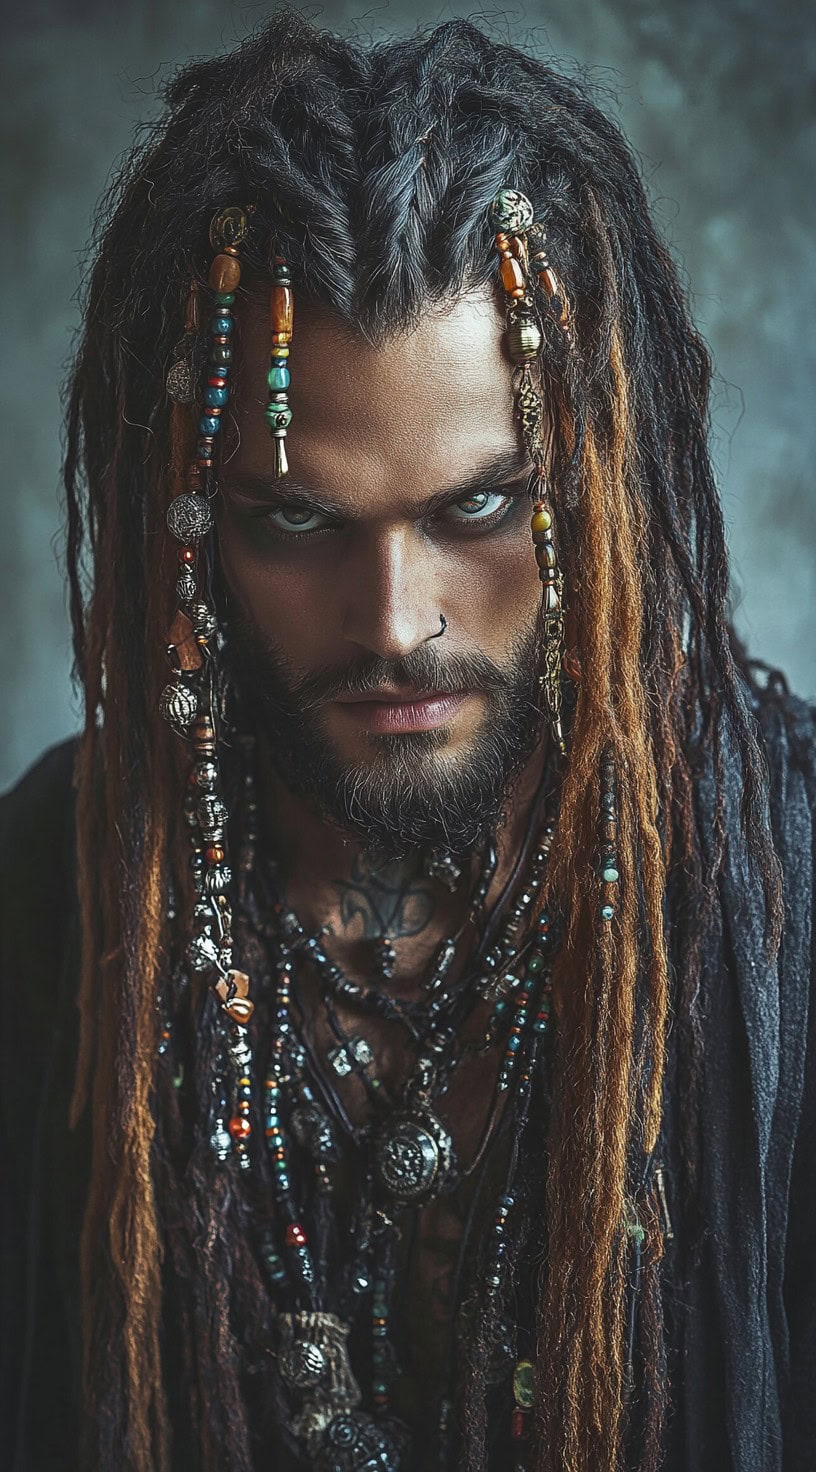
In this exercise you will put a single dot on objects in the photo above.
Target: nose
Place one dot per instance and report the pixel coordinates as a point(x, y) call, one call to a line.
point(393, 599)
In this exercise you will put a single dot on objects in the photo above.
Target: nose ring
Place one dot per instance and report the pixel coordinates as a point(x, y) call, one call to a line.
point(444, 624)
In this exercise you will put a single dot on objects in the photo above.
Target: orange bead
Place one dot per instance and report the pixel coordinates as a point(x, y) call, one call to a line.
point(214, 855)
point(549, 281)
point(512, 276)
point(225, 273)
point(239, 1128)
point(283, 310)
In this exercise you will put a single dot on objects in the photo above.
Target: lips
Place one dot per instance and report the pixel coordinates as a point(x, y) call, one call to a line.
point(388, 712)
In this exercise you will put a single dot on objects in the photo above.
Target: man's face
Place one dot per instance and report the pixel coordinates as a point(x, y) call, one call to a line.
point(405, 500)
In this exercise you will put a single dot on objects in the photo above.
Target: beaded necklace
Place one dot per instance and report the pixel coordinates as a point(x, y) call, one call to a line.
point(339, 1418)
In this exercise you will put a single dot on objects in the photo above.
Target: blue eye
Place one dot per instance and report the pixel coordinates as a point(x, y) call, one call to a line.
point(296, 519)
point(479, 507)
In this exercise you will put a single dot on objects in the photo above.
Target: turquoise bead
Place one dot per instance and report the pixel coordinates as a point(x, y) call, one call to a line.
point(610, 876)
point(513, 1044)
point(279, 377)
point(216, 398)
point(607, 912)
point(221, 326)
point(535, 963)
point(209, 424)
point(278, 416)
point(224, 298)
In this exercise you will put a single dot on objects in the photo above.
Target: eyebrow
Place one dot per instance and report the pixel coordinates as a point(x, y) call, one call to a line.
point(503, 469)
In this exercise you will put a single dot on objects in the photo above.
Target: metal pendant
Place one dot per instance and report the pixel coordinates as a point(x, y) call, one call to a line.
point(315, 1366)
point(354, 1442)
point(414, 1156)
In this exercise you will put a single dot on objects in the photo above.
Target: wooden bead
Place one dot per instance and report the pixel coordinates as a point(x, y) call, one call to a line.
point(549, 281)
point(225, 273)
point(282, 311)
point(512, 276)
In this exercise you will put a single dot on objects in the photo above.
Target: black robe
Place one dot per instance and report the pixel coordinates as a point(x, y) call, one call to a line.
point(740, 1308)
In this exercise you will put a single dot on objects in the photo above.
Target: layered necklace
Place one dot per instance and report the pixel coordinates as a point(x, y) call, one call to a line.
point(331, 1268)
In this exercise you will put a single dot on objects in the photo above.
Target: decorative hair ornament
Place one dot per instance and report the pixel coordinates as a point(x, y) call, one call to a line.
point(278, 412)
point(520, 242)
point(187, 702)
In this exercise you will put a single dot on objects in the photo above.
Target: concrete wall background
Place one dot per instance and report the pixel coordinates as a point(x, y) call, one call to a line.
point(714, 97)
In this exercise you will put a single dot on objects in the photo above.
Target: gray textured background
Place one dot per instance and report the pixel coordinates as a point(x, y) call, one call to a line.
point(715, 97)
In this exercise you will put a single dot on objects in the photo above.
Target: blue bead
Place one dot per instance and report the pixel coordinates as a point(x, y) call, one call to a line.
point(216, 398)
point(209, 424)
point(607, 912)
point(513, 1044)
point(221, 326)
point(278, 377)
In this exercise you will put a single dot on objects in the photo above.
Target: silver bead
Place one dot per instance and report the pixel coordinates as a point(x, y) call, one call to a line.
point(189, 518)
point(217, 878)
point(185, 587)
point(212, 815)
point(202, 953)
point(178, 704)
point(511, 212)
point(206, 774)
point(204, 620)
point(181, 381)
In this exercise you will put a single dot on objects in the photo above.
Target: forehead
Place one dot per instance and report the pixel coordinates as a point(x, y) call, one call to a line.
point(375, 424)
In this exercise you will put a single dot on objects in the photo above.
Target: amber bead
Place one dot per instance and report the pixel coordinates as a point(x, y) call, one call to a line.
point(549, 281)
point(512, 276)
point(225, 273)
point(541, 521)
point(240, 1128)
point(214, 855)
point(282, 311)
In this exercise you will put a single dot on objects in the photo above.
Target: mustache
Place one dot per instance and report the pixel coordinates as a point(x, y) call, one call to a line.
point(422, 670)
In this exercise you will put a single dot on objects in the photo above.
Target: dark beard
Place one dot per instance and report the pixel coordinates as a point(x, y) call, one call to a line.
point(401, 799)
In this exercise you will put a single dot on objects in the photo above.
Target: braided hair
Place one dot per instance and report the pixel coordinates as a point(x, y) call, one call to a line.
point(374, 167)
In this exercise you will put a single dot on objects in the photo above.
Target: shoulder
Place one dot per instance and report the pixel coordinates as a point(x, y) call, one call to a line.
point(38, 873)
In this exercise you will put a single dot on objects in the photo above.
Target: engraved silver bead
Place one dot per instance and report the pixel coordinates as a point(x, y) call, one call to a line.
point(217, 878)
point(178, 705)
point(189, 518)
point(185, 587)
point(204, 620)
point(212, 815)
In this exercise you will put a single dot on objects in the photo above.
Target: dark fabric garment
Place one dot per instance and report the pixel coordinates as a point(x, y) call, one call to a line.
point(739, 1291)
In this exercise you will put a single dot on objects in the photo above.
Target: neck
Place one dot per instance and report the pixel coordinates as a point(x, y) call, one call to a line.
point(331, 881)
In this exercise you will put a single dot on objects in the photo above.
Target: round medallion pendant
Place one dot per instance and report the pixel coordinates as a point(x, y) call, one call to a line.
point(413, 1156)
point(353, 1442)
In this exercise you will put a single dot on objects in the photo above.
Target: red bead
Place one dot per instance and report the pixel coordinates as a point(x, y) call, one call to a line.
point(216, 382)
point(295, 1235)
point(517, 1424)
point(239, 1128)
point(187, 554)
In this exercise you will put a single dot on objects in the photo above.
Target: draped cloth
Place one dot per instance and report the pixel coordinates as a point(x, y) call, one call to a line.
point(739, 1290)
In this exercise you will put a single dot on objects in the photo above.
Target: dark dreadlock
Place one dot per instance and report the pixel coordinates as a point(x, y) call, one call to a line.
point(374, 168)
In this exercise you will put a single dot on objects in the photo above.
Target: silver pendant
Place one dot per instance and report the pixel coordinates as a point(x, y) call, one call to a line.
point(315, 1366)
point(354, 1442)
point(414, 1156)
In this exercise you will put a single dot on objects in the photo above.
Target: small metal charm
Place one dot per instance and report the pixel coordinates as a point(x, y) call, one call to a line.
point(182, 377)
point(228, 227)
point(344, 1056)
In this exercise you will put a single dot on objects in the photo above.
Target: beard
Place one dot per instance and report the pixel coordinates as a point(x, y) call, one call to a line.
point(408, 794)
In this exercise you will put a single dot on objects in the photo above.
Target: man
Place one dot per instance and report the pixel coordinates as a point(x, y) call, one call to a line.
point(441, 1089)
